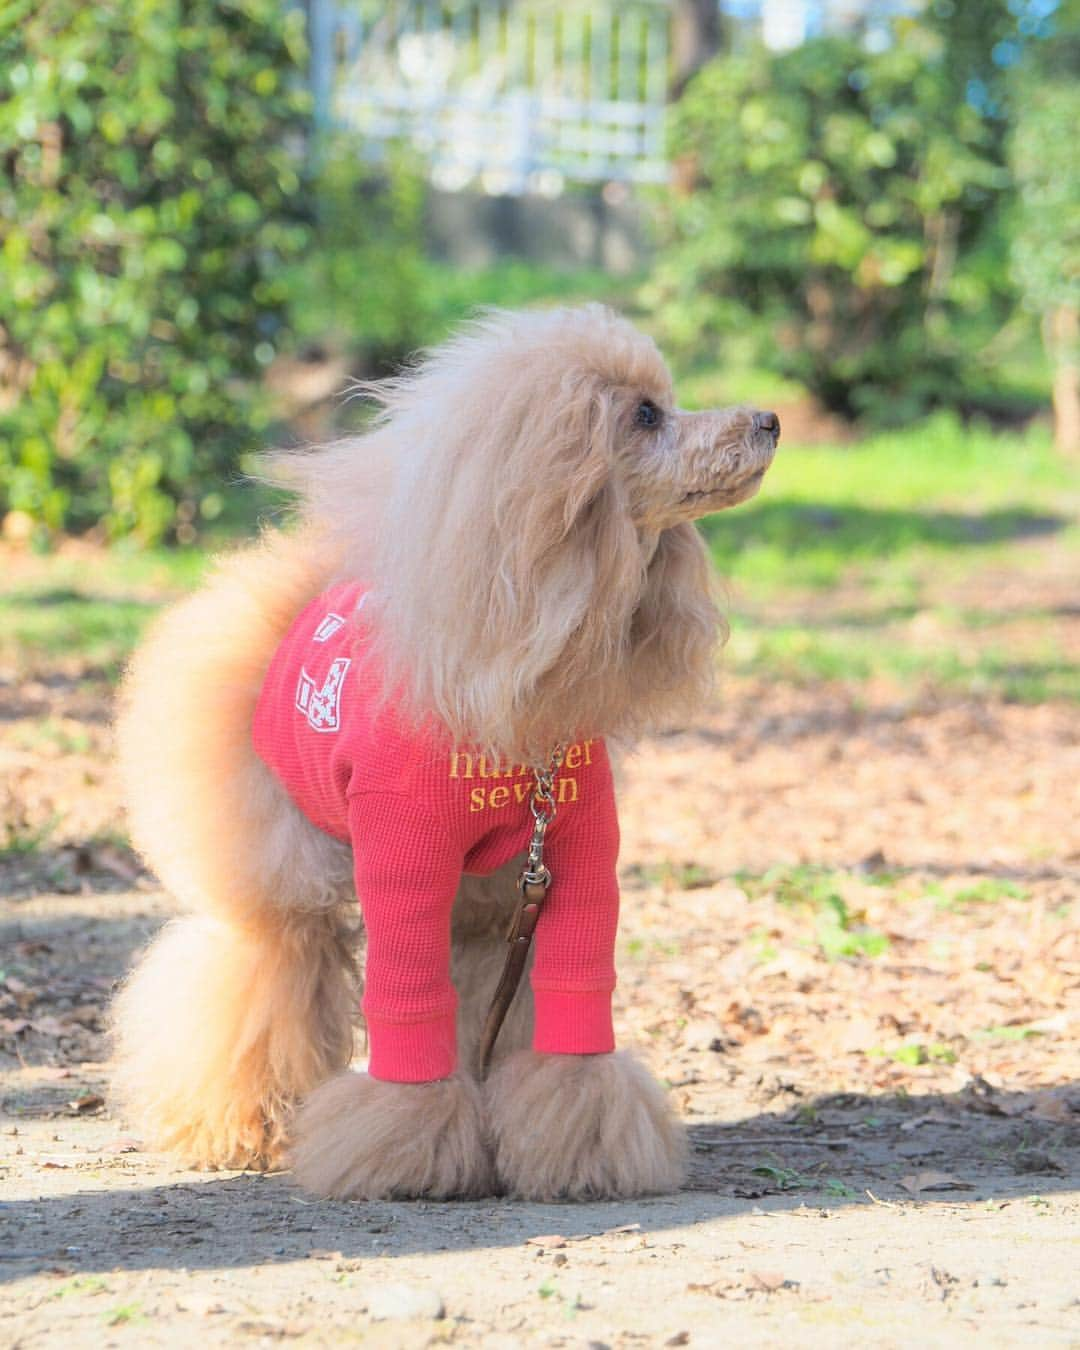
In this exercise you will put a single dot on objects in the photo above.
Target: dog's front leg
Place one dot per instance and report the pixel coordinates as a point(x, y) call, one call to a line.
point(412, 1125)
point(571, 1118)
point(582, 1127)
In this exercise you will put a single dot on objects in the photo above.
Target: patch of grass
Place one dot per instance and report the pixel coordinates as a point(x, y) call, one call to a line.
point(673, 876)
point(762, 944)
point(834, 1186)
point(801, 884)
point(915, 1053)
point(855, 563)
point(640, 949)
point(791, 1179)
point(20, 841)
point(787, 650)
point(82, 1284)
point(1008, 1033)
point(888, 523)
point(838, 930)
point(840, 936)
point(67, 737)
point(848, 564)
point(985, 891)
point(125, 1314)
point(786, 1178)
point(885, 520)
point(988, 891)
point(90, 608)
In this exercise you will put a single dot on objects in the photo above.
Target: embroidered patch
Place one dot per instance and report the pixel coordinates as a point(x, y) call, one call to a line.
point(328, 626)
point(322, 707)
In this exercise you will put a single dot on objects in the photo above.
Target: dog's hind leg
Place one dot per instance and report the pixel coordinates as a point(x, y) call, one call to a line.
point(220, 1029)
point(246, 1004)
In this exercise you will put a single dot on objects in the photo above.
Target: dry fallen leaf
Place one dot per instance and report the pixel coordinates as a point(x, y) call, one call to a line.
point(769, 1280)
point(82, 1106)
point(124, 1145)
point(918, 1182)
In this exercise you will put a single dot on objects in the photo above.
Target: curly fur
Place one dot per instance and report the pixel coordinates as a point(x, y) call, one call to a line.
point(582, 1128)
point(361, 1139)
point(533, 574)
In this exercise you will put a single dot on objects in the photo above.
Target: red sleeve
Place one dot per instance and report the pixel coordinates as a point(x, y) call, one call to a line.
point(573, 974)
point(407, 872)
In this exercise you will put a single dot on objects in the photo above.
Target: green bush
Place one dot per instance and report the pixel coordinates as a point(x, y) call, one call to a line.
point(1045, 159)
point(150, 193)
point(361, 286)
point(369, 288)
point(835, 217)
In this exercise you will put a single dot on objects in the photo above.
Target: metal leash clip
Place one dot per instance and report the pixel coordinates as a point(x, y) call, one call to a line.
point(535, 877)
point(533, 884)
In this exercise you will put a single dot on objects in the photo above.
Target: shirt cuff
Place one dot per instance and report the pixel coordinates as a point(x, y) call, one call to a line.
point(412, 1052)
point(573, 1023)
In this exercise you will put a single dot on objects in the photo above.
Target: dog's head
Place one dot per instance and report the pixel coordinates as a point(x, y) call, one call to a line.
point(599, 397)
point(537, 573)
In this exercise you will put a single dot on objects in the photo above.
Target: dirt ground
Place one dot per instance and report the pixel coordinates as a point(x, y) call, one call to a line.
point(849, 945)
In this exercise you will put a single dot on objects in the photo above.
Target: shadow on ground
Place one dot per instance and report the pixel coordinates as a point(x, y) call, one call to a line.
point(978, 1146)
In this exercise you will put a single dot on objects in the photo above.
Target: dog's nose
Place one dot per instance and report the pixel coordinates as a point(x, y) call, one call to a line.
point(767, 421)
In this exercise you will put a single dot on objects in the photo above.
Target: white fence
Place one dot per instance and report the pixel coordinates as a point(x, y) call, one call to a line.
point(517, 97)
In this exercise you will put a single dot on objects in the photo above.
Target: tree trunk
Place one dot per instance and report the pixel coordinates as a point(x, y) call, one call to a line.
point(695, 38)
point(1062, 334)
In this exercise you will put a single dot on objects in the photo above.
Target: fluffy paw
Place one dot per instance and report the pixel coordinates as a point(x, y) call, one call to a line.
point(582, 1127)
point(359, 1138)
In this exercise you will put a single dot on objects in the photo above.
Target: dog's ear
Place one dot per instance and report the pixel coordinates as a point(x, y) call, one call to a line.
point(678, 621)
point(585, 578)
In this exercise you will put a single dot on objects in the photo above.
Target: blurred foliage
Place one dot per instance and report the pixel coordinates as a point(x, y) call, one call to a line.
point(368, 285)
point(150, 195)
point(846, 199)
point(883, 561)
point(1045, 160)
point(1046, 164)
point(361, 284)
point(859, 222)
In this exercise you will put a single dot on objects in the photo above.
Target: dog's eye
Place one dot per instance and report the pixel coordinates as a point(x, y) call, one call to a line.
point(648, 414)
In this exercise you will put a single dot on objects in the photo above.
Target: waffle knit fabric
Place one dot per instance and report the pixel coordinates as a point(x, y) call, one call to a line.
point(418, 812)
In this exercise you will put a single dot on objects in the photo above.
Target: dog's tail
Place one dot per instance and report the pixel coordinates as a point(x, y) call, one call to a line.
point(220, 1030)
point(243, 1006)
point(207, 814)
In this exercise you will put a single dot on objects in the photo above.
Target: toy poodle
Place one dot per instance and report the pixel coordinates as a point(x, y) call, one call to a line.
point(498, 580)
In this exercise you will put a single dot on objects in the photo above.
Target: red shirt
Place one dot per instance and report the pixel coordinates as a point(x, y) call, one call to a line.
point(419, 812)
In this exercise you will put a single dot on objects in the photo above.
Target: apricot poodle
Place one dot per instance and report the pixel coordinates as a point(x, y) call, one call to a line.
point(356, 707)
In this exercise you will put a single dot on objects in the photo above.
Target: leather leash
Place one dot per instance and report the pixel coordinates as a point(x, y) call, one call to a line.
point(532, 884)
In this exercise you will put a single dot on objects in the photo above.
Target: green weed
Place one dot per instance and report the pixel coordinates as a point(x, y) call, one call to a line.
point(762, 945)
point(22, 840)
point(126, 1314)
point(49, 731)
point(838, 931)
point(916, 1053)
point(988, 891)
point(1007, 1033)
point(839, 936)
point(791, 1179)
point(672, 876)
point(82, 1284)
